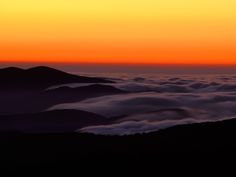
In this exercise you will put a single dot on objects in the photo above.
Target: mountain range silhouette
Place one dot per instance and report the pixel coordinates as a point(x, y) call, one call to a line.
point(40, 77)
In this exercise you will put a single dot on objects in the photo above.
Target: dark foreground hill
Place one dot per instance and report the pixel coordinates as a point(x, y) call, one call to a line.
point(40, 77)
point(70, 150)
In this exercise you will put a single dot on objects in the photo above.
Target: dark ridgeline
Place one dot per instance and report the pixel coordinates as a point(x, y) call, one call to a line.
point(40, 78)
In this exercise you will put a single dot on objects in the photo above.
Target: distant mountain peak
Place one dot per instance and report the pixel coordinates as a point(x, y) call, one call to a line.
point(40, 77)
point(40, 67)
point(8, 69)
point(43, 69)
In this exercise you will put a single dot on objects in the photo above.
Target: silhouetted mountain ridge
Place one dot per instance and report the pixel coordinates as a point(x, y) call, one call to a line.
point(40, 77)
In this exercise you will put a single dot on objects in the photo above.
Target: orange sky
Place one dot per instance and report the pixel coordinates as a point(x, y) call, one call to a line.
point(118, 31)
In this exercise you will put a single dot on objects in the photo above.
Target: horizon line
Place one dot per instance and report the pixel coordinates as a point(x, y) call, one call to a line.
point(121, 63)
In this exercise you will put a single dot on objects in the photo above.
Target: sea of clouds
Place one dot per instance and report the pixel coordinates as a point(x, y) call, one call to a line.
point(154, 102)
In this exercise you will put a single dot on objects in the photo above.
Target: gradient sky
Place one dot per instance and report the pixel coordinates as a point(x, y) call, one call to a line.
point(118, 31)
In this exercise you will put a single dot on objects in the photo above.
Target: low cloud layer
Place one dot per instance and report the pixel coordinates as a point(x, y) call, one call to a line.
point(137, 127)
point(162, 102)
point(133, 127)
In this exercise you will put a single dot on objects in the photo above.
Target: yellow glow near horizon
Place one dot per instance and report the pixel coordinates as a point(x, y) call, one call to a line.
point(119, 31)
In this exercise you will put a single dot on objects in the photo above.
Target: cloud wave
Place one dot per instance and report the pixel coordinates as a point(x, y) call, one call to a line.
point(162, 102)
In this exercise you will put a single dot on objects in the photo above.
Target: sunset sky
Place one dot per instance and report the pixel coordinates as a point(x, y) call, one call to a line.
point(118, 31)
